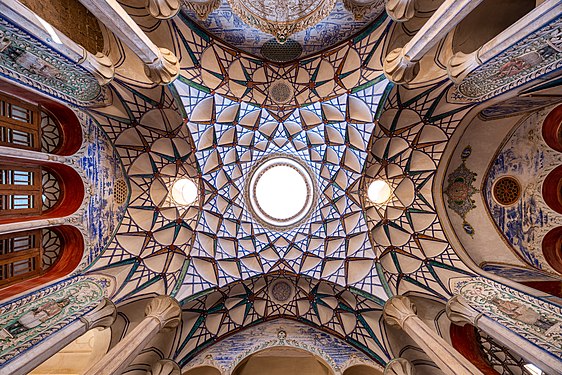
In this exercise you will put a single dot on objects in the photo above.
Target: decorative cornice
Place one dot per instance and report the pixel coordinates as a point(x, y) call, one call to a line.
point(461, 64)
point(399, 366)
point(103, 315)
point(166, 309)
point(164, 9)
point(361, 8)
point(397, 310)
point(202, 8)
point(400, 10)
point(165, 69)
point(398, 68)
point(164, 367)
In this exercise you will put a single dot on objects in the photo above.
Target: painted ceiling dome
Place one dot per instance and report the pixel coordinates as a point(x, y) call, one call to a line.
point(284, 30)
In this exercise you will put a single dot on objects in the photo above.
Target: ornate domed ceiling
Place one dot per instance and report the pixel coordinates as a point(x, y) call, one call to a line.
point(327, 24)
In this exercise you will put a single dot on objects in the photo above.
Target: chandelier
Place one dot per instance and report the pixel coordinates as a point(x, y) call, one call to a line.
point(282, 18)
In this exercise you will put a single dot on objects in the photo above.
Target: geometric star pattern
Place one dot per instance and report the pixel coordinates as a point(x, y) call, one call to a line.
point(331, 138)
point(351, 316)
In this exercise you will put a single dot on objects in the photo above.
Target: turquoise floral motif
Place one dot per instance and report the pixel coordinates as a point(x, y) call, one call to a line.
point(460, 190)
point(28, 61)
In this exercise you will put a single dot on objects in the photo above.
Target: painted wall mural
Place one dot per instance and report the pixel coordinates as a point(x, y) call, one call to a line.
point(27, 320)
point(102, 169)
point(536, 320)
point(27, 60)
point(282, 332)
point(532, 57)
point(529, 159)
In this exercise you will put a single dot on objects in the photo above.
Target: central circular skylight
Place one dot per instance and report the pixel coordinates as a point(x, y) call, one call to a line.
point(280, 192)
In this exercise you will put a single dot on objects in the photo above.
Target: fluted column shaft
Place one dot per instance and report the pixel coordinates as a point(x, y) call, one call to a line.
point(460, 65)
point(400, 311)
point(161, 65)
point(162, 312)
point(99, 65)
point(401, 64)
point(460, 312)
point(102, 316)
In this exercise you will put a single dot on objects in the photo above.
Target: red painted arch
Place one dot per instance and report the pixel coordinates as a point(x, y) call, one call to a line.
point(464, 340)
point(72, 250)
point(69, 124)
point(71, 185)
point(552, 189)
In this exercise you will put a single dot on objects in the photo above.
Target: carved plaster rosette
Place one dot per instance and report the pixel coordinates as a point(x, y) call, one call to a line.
point(282, 18)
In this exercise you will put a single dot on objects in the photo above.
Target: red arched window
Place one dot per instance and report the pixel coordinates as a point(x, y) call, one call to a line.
point(33, 188)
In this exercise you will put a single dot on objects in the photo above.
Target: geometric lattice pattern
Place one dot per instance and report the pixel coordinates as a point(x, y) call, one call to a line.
point(405, 151)
point(351, 316)
point(331, 138)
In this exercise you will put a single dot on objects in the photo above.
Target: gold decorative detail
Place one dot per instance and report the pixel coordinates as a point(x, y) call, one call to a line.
point(360, 8)
point(282, 18)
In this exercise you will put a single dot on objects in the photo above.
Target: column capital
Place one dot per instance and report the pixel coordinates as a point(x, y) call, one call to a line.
point(399, 366)
point(461, 64)
point(164, 367)
point(398, 68)
point(165, 69)
point(460, 312)
point(103, 315)
point(99, 65)
point(400, 10)
point(397, 309)
point(360, 7)
point(164, 9)
point(166, 309)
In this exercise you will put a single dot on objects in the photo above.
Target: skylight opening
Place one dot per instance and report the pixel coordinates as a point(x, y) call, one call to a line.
point(379, 191)
point(184, 192)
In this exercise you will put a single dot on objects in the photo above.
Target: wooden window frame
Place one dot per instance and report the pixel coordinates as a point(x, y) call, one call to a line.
point(7, 124)
point(34, 253)
point(35, 190)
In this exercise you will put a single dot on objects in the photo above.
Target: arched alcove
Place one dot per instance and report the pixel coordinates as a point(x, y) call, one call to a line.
point(489, 19)
point(66, 259)
point(78, 356)
point(552, 189)
point(282, 360)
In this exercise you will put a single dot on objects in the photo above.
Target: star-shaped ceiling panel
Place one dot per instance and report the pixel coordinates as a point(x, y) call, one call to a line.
point(331, 138)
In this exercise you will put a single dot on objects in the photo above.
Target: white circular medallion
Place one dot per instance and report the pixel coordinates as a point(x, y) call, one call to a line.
point(280, 192)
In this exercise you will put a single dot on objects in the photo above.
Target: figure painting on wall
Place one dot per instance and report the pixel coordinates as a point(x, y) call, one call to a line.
point(33, 318)
point(525, 314)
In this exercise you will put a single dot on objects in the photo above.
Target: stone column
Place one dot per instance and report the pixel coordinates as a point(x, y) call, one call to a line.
point(401, 65)
point(460, 313)
point(164, 367)
point(400, 311)
point(99, 65)
point(102, 316)
point(399, 366)
point(162, 313)
point(161, 66)
point(460, 65)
